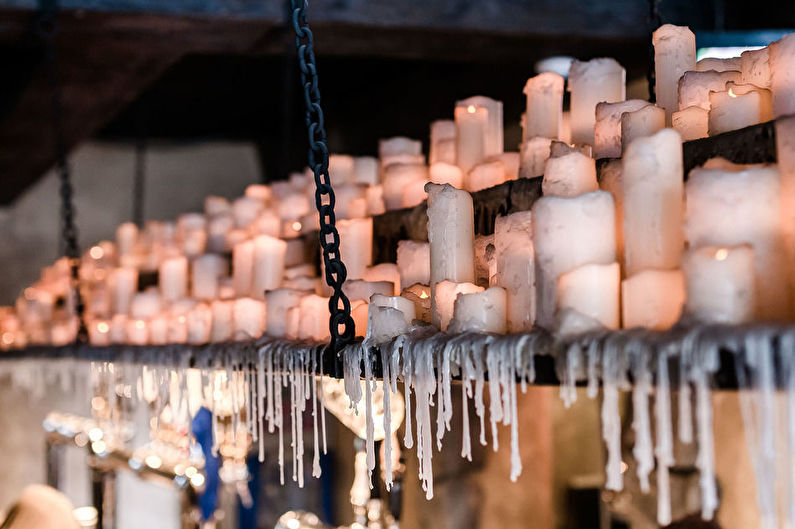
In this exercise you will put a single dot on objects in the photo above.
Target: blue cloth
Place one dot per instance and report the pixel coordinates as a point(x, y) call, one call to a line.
point(202, 427)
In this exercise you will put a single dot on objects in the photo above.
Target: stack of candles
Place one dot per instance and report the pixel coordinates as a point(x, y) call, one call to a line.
point(631, 246)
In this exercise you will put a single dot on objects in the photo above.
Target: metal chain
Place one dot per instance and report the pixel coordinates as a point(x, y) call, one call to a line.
point(46, 26)
point(655, 21)
point(339, 305)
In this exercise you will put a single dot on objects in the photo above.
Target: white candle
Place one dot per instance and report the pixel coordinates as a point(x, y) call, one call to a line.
point(249, 318)
point(396, 177)
point(443, 142)
point(192, 233)
point(405, 306)
point(533, 154)
point(445, 173)
point(691, 123)
point(471, 123)
point(385, 272)
point(283, 305)
point(124, 285)
point(733, 207)
point(222, 320)
point(493, 137)
point(480, 312)
point(341, 169)
point(206, 271)
point(314, 318)
point(444, 294)
point(345, 196)
point(365, 170)
point(590, 83)
point(485, 174)
point(385, 323)
point(414, 194)
point(173, 278)
point(126, 238)
point(137, 332)
point(260, 192)
point(397, 149)
point(178, 324)
point(610, 181)
point(199, 324)
point(607, 130)
point(785, 154)
point(361, 289)
point(118, 329)
point(738, 107)
point(375, 200)
point(246, 210)
point(217, 229)
point(568, 233)
point(653, 208)
point(755, 67)
point(515, 258)
point(214, 206)
point(719, 65)
point(158, 329)
point(414, 262)
point(511, 162)
point(569, 175)
point(674, 54)
point(485, 262)
point(99, 333)
point(356, 245)
point(641, 123)
point(652, 299)
point(243, 267)
point(269, 259)
point(543, 114)
point(420, 295)
point(720, 284)
point(267, 223)
point(782, 75)
point(145, 304)
point(593, 291)
point(694, 87)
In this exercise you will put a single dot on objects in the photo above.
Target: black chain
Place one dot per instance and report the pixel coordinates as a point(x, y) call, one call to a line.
point(46, 26)
point(655, 21)
point(339, 305)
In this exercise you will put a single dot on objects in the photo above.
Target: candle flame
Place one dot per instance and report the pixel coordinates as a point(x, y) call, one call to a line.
point(103, 327)
point(423, 295)
point(8, 338)
point(140, 324)
point(722, 254)
point(297, 226)
point(731, 93)
point(96, 252)
point(471, 109)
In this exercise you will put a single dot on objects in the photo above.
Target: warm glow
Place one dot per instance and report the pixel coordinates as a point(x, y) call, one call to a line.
point(471, 109)
point(30, 293)
point(8, 338)
point(297, 226)
point(95, 434)
point(140, 324)
point(153, 461)
point(624, 467)
point(731, 93)
point(103, 327)
point(181, 319)
point(190, 471)
point(97, 403)
point(423, 295)
point(197, 480)
point(96, 252)
point(722, 254)
point(85, 516)
point(98, 447)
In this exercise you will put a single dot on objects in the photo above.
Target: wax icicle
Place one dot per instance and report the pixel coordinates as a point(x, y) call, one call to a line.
point(368, 414)
point(387, 386)
point(664, 449)
point(611, 420)
point(640, 423)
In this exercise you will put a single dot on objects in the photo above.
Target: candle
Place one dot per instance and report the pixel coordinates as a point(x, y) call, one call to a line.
point(361, 289)
point(137, 332)
point(720, 284)
point(593, 291)
point(177, 326)
point(296, 252)
point(356, 245)
point(607, 130)
point(405, 306)
point(443, 297)
point(385, 323)
point(485, 262)
point(533, 154)
point(718, 65)
point(173, 278)
point(515, 270)
point(206, 271)
point(243, 267)
point(304, 284)
point(785, 155)
point(385, 272)
point(341, 169)
point(99, 333)
point(738, 107)
point(245, 210)
point(443, 142)
point(641, 123)
point(610, 181)
point(249, 318)
point(302, 270)
point(222, 320)
point(365, 170)
point(124, 284)
point(346, 196)
point(568, 233)
point(199, 324)
point(471, 123)
point(217, 229)
point(359, 312)
point(414, 193)
point(543, 114)
point(267, 223)
point(569, 175)
point(399, 149)
point(692, 123)
point(510, 162)
point(653, 299)
point(733, 207)
point(480, 312)
point(484, 175)
point(414, 262)
point(375, 200)
point(158, 329)
point(191, 233)
point(283, 305)
point(293, 205)
point(493, 136)
point(420, 295)
point(445, 173)
point(755, 67)
point(674, 54)
point(126, 238)
point(397, 177)
point(260, 192)
point(590, 83)
point(694, 87)
point(269, 259)
point(653, 209)
point(782, 75)
point(118, 329)
point(215, 206)
point(314, 318)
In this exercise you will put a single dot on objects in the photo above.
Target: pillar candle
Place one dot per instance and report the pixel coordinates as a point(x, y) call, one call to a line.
point(694, 87)
point(471, 124)
point(260, 192)
point(118, 329)
point(375, 200)
point(344, 195)
point(395, 148)
point(249, 318)
point(674, 54)
point(268, 222)
point(396, 177)
point(222, 320)
point(420, 295)
point(314, 318)
point(515, 271)
point(653, 209)
point(359, 312)
point(246, 210)
point(126, 238)
point(385, 272)
point(385, 323)
point(733, 207)
point(158, 329)
point(365, 170)
point(592, 290)
point(443, 142)
point(356, 245)
point(569, 175)
point(719, 65)
point(290, 229)
point(510, 162)
point(485, 262)
point(192, 233)
point(217, 229)
point(269, 259)
point(173, 278)
point(445, 293)
point(785, 155)
point(177, 327)
point(610, 181)
point(137, 332)
point(206, 271)
point(737, 108)
point(124, 285)
point(720, 284)
point(641, 123)
point(692, 123)
point(199, 324)
point(590, 83)
point(652, 299)
point(485, 174)
point(607, 130)
point(568, 233)
point(243, 267)
point(445, 173)
point(293, 205)
point(782, 75)
point(99, 333)
point(414, 193)
point(480, 312)
point(282, 303)
point(214, 206)
point(361, 289)
point(296, 252)
point(533, 155)
point(405, 306)
point(755, 67)
point(544, 106)
point(303, 270)
point(414, 262)
point(493, 138)
point(341, 168)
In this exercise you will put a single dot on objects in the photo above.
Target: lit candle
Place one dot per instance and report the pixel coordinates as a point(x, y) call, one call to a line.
point(365, 170)
point(158, 329)
point(591, 83)
point(269, 259)
point(414, 262)
point(720, 284)
point(173, 278)
point(755, 67)
point(674, 54)
point(126, 238)
point(99, 333)
point(199, 324)
point(485, 174)
point(510, 162)
point(445, 173)
point(420, 295)
point(177, 327)
point(533, 155)
point(361, 289)
point(207, 270)
point(641, 123)
point(694, 87)
point(568, 233)
point(243, 267)
point(341, 168)
point(515, 258)
point(396, 177)
point(782, 75)
point(692, 123)
point(593, 291)
point(653, 209)
point(124, 284)
point(385, 272)
point(738, 107)
point(249, 318)
point(222, 320)
point(493, 137)
point(314, 318)
point(118, 329)
point(652, 299)
point(137, 332)
point(443, 141)
point(607, 130)
point(544, 106)
point(283, 305)
point(569, 175)
point(610, 181)
point(485, 262)
point(480, 312)
point(444, 295)
point(356, 245)
point(471, 123)
point(246, 210)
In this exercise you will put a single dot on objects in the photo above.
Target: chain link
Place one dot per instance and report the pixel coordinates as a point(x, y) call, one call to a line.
point(341, 324)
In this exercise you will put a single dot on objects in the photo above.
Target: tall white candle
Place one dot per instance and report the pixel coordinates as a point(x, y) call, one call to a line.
point(145, 304)
point(177, 327)
point(398, 148)
point(544, 108)
point(396, 177)
point(199, 324)
point(694, 87)
point(443, 142)
point(692, 123)
point(374, 195)
point(493, 138)
point(314, 318)
point(137, 332)
point(356, 245)
point(568, 233)
point(607, 131)
point(269, 259)
point(243, 267)
point(414, 193)
point(720, 284)
point(641, 123)
point(653, 208)
point(755, 67)
point(533, 155)
point(385, 272)
point(485, 174)
point(515, 257)
point(674, 54)
point(217, 229)
point(346, 195)
point(480, 312)
point(124, 285)
point(158, 329)
point(282, 303)
point(738, 107)
point(365, 169)
point(414, 262)
point(445, 294)
point(126, 238)
point(591, 83)
point(249, 318)
point(99, 333)
point(569, 175)
point(592, 290)
point(610, 181)
point(173, 278)
point(652, 299)
point(206, 271)
point(471, 123)
point(782, 75)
